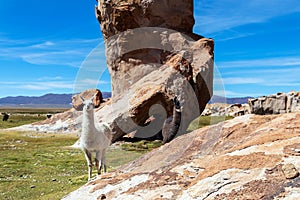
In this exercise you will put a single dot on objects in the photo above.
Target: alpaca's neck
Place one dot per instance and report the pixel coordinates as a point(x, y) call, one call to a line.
point(88, 122)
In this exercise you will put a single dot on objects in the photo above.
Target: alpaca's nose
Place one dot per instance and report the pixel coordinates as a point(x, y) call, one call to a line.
point(89, 107)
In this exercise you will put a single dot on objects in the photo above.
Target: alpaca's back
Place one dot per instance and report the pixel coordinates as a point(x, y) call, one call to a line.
point(98, 138)
point(103, 135)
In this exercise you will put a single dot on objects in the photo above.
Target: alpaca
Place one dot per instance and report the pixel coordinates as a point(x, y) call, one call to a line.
point(95, 138)
point(172, 124)
point(5, 117)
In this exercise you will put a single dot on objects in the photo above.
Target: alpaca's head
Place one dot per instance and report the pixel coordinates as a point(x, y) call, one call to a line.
point(88, 104)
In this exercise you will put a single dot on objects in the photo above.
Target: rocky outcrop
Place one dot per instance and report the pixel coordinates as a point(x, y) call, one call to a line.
point(276, 104)
point(118, 16)
point(153, 56)
point(234, 110)
point(87, 94)
point(248, 157)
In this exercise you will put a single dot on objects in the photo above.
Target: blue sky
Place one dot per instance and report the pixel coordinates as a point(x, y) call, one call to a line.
point(44, 46)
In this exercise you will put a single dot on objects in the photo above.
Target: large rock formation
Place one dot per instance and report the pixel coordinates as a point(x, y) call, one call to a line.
point(152, 56)
point(276, 104)
point(248, 157)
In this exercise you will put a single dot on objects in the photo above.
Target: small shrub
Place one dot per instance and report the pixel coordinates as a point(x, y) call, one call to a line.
point(203, 121)
point(141, 146)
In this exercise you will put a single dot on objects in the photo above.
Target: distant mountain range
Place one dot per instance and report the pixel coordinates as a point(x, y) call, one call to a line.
point(220, 99)
point(47, 100)
point(64, 100)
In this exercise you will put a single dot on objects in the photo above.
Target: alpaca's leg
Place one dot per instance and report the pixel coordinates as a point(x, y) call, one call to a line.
point(88, 157)
point(97, 164)
point(103, 161)
point(97, 160)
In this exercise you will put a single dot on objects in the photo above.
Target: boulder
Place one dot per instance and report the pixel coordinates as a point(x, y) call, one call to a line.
point(87, 94)
point(248, 157)
point(153, 56)
point(275, 104)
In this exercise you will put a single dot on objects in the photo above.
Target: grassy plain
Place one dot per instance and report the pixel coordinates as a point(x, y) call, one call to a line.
point(203, 121)
point(43, 166)
point(21, 116)
point(32, 110)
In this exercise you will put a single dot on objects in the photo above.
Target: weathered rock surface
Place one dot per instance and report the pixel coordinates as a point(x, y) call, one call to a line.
point(118, 16)
point(234, 110)
point(276, 104)
point(248, 157)
point(87, 94)
point(152, 56)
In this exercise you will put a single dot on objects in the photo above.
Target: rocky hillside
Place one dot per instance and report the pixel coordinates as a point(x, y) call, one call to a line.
point(249, 157)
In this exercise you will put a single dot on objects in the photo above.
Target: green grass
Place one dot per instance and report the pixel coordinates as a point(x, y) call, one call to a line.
point(203, 121)
point(33, 110)
point(21, 116)
point(20, 119)
point(41, 166)
point(141, 146)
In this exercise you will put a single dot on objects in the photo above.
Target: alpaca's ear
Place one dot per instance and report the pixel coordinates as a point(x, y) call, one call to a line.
point(82, 99)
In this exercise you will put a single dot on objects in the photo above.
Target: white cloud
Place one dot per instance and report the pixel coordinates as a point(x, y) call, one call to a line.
point(87, 82)
point(47, 85)
point(263, 62)
point(241, 80)
point(64, 52)
point(69, 58)
point(215, 16)
point(95, 61)
point(279, 76)
point(47, 78)
point(281, 83)
point(228, 93)
point(54, 84)
point(233, 36)
point(43, 45)
point(40, 84)
point(84, 84)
